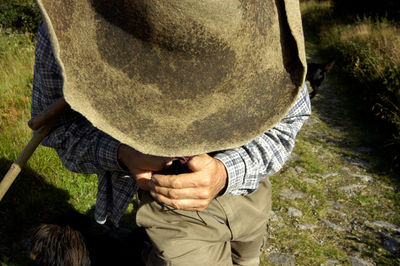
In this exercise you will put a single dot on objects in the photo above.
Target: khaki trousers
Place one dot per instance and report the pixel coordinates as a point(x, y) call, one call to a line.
point(229, 232)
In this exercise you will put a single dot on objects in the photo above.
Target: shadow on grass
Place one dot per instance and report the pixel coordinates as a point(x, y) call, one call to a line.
point(29, 202)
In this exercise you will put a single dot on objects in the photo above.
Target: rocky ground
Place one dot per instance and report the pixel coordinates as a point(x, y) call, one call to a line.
point(333, 202)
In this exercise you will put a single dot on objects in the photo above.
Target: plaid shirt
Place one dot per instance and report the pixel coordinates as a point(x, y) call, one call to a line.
point(85, 149)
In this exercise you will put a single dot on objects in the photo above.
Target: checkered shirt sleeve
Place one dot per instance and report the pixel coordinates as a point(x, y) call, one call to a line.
point(81, 147)
point(264, 156)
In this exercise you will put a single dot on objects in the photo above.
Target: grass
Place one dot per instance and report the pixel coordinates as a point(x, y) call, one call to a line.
point(44, 187)
point(325, 145)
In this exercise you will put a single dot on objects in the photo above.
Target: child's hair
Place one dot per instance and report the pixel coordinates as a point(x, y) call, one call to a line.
point(56, 245)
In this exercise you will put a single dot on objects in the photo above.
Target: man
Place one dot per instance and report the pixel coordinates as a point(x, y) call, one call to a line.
point(193, 62)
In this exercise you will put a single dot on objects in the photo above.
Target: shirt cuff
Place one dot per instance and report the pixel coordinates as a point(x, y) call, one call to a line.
point(235, 168)
point(107, 155)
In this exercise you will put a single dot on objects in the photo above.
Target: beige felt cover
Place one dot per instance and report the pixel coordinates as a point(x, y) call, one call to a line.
point(179, 77)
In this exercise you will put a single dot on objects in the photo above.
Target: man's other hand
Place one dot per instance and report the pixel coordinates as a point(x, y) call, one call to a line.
point(191, 191)
point(140, 165)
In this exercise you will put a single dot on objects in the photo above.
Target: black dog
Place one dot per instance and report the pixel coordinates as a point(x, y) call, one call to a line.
point(75, 240)
point(316, 74)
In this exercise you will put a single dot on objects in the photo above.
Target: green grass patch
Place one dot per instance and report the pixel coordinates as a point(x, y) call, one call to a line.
point(45, 187)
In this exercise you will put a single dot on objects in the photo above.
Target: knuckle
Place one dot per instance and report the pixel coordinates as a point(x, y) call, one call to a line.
point(202, 207)
point(177, 183)
point(205, 194)
point(171, 194)
point(206, 181)
point(176, 205)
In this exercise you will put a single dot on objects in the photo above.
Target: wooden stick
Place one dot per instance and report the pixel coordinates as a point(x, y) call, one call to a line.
point(52, 112)
point(44, 123)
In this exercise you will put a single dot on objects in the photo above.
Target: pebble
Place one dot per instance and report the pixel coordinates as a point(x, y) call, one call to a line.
point(292, 194)
point(281, 259)
point(332, 225)
point(310, 180)
point(365, 178)
point(293, 212)
point(324, 176)
point(360, 262)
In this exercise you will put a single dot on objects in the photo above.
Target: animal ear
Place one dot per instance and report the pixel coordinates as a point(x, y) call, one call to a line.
point(330, 65)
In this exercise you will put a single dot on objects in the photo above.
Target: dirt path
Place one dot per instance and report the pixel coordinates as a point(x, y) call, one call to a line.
point(333, 204)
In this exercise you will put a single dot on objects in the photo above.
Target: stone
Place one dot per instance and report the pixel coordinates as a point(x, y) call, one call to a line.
point(388, 187)
point(304, 227)
point(310, 180)
point(314, 202)
point(336, 205)
point(311, 122)
point(337, 212)
point(281, 259)
point(324, 176)
point(359, 262)
point(344, 169)
point(292, 194)
point(339, 128)
point(391, 244)
point(294, 157)
point(352, 189)
point(332, 262)
point(273, 217)
point(293, 212)
point(292, 171)
point(363, 149)
point(383, 224)
point(365, 178)
point(300, 169)
point(390, 214)
point(332, 225)
point(359, 162)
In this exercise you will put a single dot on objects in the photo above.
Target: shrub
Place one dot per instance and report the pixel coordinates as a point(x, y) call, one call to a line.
point(372, 8)
point(19, 15)
point(369, 53)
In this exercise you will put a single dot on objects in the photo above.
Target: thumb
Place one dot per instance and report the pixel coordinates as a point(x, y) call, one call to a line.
point(198, 162)
point(143, 175)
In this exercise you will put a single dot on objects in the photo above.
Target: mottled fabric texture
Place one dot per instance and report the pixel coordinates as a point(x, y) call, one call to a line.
point(179, 77)
point(85, 149)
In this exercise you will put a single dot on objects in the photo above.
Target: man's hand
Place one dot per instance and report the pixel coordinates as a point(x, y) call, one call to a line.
point(191, 191)
point(140, 165)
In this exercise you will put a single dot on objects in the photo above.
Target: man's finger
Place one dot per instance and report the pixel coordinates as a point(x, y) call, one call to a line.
point(189, 180)
point(180, 194)
point(198, 162)
point(154, 163)
point(184, 204)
